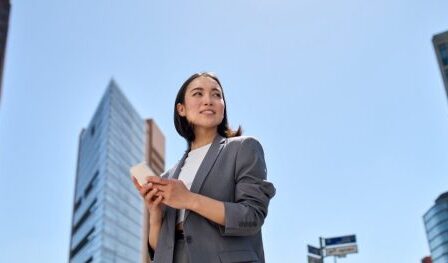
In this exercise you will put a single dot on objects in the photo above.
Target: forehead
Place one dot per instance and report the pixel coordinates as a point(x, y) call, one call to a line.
point(203, 82)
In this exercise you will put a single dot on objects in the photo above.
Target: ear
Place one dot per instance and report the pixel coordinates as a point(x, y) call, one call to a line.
point(180, 109)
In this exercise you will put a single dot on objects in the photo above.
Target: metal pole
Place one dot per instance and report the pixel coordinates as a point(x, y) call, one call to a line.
point(321, 242)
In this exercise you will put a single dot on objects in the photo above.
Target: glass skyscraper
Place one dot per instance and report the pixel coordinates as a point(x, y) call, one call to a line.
point(436, 224)
point(440, 42)
point(109, 219)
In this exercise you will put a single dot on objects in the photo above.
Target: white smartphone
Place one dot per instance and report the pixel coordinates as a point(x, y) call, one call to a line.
point(141, 171)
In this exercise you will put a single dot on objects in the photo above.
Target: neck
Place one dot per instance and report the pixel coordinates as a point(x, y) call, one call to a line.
point(202, 138)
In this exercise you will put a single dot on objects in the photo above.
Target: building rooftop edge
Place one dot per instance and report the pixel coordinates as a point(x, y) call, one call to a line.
point(440, 36)
point(442, 197)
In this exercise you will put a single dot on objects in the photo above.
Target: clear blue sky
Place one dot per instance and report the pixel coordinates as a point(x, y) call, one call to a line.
point(345, 96)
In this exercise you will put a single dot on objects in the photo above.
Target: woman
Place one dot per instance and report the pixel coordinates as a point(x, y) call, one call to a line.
point(209, 207)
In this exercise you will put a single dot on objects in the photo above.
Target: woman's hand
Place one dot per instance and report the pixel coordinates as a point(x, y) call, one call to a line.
point(152, 198)
point(174, 192)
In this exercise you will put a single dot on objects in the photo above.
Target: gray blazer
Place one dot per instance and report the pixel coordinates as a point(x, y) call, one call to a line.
point(233, 171)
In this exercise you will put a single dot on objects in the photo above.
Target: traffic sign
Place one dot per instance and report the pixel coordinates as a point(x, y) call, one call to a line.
point(340, 240)
point(314, 260)
point(314, 250)
point(341, 251)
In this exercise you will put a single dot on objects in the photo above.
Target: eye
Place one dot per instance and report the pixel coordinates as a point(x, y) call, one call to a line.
point(197, 93)
point(217, 95)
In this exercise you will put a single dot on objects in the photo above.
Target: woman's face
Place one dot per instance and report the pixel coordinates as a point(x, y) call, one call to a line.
point(203, 104)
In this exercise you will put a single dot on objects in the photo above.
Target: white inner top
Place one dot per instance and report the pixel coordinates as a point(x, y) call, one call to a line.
point(189, 170)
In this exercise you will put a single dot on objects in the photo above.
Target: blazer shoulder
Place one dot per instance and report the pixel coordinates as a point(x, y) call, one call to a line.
point(245, 145)
point(243, 139)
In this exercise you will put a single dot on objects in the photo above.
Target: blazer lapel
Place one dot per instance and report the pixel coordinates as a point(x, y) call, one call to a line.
point(179, 165)
point(206, 165)
point(170, 213)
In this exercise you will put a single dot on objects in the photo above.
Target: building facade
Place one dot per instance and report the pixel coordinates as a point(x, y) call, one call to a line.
point(5, 7)
point(436, 225)
point(109, 218)
point(440, 42)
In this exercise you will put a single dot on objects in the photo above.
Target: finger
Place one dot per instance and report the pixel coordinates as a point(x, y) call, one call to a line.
point(136, 184)
point(157, 180)
point(150, 178)
point(146, 188)
point(153, 179)
point(149, 196)
point(163, 195)
point(163, 188)
point(158, 200)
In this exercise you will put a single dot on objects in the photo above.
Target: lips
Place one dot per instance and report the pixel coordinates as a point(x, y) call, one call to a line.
point(208, 112)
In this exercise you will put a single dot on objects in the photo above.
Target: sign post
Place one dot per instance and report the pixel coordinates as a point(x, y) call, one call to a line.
point(338, 247)
point(315, 255)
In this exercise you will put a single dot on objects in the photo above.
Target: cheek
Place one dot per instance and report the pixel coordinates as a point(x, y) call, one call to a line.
point(222, 107)
point(191, 106)
point(221, 111)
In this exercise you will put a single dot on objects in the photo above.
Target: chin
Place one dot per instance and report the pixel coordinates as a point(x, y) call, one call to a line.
point(207, 125)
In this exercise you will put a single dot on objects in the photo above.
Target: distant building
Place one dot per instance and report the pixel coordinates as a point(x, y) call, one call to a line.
point(436, 225)
point(440, 42)
point(5, 7)
point(109, 219)
point(426, 260)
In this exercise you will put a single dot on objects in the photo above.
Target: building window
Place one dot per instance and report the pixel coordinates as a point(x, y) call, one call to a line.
point(78, 204)
point(92, 130)
point(91, 184)
point(88, 190)
point(83, 217)
point(82, 243)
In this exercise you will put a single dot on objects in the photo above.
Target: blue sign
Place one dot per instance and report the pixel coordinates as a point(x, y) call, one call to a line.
point(314, 250)
point(340, 240)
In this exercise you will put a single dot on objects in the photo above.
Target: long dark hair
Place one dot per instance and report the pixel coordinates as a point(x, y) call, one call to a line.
point(184, 128)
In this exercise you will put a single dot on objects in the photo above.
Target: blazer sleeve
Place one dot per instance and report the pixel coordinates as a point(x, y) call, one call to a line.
point(246, 214)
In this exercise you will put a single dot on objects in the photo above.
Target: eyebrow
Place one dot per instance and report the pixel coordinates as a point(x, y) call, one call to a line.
point(201, 89)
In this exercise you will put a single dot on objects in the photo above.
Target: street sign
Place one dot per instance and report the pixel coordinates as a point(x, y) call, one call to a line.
point(341, 251)
point(314, 250)
point(314, 260)
point(340, 240)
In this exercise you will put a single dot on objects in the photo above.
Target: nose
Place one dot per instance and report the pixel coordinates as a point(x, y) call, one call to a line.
point(208, 100)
